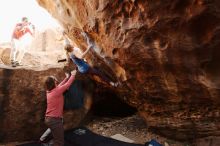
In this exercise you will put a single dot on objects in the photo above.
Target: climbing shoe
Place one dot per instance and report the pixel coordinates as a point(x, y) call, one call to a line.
point(18, 63)
point(114, 84)
point(13, 63)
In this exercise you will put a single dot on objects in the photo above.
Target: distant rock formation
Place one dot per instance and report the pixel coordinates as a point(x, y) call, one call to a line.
point(45, 49)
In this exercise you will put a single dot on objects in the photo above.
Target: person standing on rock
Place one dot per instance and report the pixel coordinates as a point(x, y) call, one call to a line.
point(55, 104)
point(21, 38)
point(83, 67)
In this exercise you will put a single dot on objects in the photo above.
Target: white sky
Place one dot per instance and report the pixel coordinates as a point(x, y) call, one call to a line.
point(11, 12)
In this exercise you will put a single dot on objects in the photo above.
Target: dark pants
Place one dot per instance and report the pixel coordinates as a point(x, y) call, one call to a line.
point(56, 126)
point(94, 71)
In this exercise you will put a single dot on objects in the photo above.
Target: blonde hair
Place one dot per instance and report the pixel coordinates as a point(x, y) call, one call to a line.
point(68, 47)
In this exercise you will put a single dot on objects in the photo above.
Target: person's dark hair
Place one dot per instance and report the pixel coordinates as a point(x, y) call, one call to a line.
point(24, 19)
point(50, 83)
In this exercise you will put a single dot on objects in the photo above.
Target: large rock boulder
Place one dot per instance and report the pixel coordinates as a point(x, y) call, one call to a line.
point(23, 103)
point(166, 53)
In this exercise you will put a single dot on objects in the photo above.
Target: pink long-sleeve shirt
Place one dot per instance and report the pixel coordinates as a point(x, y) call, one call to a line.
point(55, 99)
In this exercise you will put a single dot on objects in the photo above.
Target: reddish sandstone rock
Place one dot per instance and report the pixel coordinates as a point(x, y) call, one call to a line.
point(23, 103)
point(167, 51)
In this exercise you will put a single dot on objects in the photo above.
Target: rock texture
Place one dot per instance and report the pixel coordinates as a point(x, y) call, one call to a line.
point(48, 40)
point(166, 53)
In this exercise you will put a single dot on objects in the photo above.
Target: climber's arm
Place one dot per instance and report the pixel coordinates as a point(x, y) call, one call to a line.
point(87, 50)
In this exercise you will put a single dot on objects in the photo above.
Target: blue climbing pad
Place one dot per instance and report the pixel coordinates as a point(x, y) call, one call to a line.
point(74, 97)
point(82, 136)
point(153, 143)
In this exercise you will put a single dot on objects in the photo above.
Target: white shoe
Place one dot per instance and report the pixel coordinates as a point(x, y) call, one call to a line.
point(45, 134)
point(18, 63)
point(111, 83)
point(114, 84)
point(13, 63)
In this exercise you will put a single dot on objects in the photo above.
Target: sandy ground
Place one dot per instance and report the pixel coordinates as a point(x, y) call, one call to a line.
point(132, 127)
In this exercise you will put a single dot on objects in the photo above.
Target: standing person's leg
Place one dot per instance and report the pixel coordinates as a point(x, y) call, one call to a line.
point(22, 51)
point(56, 126)
point(14, 45)
point(25, 44)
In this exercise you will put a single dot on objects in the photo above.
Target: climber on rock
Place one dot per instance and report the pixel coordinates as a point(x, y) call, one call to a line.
point(82, 66)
